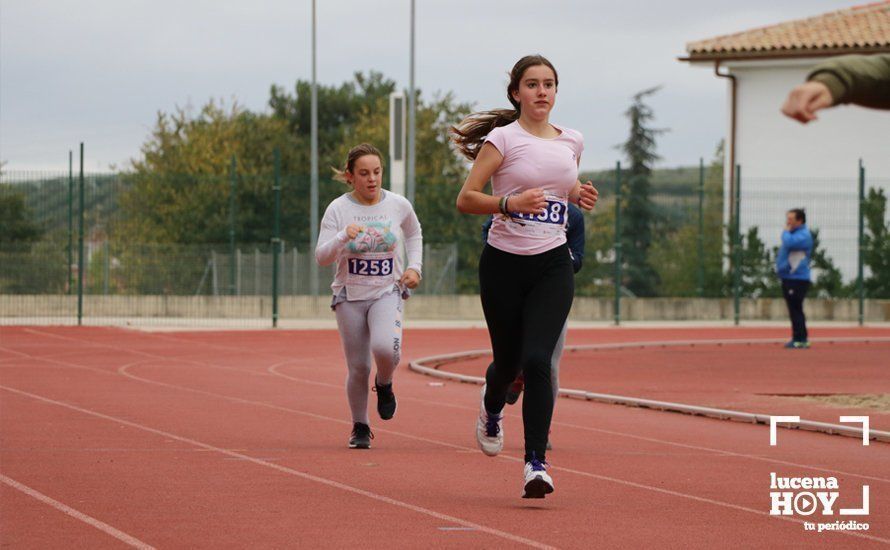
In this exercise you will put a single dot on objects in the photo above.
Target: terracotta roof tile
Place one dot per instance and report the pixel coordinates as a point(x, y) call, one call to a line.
point(856, 29)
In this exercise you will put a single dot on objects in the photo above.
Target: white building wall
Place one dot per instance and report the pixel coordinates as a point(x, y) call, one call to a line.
point(786, 164)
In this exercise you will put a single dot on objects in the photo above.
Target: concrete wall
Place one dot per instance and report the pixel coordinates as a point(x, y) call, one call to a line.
point(460, 307)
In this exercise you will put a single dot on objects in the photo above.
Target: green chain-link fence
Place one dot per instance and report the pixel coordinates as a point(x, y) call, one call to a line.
point(196, 246)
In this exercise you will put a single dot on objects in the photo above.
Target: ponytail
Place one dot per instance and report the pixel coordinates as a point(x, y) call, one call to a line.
point(469, 135)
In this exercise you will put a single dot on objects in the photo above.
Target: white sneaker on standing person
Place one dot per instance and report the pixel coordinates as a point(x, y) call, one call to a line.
point(362, 232)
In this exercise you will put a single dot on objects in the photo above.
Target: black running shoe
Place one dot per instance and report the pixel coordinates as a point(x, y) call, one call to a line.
point(386, 401)
point(361, 436)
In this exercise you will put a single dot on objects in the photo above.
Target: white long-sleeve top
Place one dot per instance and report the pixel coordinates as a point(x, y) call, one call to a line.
point(370, 264)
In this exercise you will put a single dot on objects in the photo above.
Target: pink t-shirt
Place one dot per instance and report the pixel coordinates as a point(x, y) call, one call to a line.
point(530, 162)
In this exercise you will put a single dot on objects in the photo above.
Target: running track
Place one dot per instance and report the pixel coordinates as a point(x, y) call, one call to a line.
point(113, 438)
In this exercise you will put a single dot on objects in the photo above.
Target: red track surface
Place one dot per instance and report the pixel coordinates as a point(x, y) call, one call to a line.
point(755, 378)
point(238, 439)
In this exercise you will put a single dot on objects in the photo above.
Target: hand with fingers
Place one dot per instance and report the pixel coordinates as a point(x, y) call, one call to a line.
point(588, 197)
point(804, 100)
point(410, 279)
point(530, 201)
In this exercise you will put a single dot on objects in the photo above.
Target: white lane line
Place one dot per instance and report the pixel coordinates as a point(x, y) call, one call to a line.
point(283, 469)
point(723, 414)
point(64, 508)
point(273, 370)
point(463, 448)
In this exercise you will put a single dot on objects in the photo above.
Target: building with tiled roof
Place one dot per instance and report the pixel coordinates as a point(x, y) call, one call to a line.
point(860, 29)
point(785, 164)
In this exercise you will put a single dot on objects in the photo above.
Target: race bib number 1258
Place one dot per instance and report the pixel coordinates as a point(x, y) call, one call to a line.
point(374, 267)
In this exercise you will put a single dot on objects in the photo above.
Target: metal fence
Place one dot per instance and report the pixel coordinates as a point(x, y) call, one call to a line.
point(113, 246)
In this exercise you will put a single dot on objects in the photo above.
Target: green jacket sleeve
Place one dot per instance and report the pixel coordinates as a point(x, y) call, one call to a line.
point(860, 79)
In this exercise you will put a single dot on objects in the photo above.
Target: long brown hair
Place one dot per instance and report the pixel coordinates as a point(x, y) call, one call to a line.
point(469, 135)
point(354, 154)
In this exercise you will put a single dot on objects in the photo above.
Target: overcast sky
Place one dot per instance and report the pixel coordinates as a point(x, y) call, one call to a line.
point(99, 70)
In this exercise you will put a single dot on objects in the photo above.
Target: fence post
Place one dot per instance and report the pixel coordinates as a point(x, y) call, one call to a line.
point(238, 272)
point(80, 245)
point(276, 238)
point(737, 247)
point(860, 279)
point(256, 272)
point(232, 184)
point(618, 243)
point(295, 268)
point(70, 221)
point(701, 228)
point(107, 268)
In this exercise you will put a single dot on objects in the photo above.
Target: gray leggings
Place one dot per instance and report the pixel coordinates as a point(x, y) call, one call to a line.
point(369, 327)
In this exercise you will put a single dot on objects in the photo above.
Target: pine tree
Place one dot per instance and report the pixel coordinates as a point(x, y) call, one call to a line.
point(638, 211)
point(876, 244)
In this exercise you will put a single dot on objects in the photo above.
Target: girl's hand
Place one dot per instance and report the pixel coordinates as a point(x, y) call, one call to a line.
point(588, 196)
point(410, 279)
point(530, 201)
point(352, 230)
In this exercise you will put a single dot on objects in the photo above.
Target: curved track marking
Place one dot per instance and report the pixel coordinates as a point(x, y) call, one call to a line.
point(515, 459)
point(723, 414)
point(273, 369)
point(289, 471)
point(505, 457)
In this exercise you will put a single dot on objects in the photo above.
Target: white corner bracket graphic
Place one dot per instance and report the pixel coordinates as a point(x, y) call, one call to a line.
point(773, 420)
point(860, 420)
point(858, 511)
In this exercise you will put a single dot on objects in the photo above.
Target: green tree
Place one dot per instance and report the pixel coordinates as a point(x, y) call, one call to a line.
point(675, 251)
point(179, 189)
point(829, 283)
point(638, 214)
point(16, 223)
point(597, 275)
point(342, 112)
point(876, 244)
point(757, 267)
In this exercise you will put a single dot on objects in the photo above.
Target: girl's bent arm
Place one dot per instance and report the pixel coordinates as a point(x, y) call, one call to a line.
point(413, 242)
point(330, 240)
point(471, 199)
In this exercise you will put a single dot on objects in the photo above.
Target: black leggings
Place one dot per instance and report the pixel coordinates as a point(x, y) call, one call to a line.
point(795, 292)
point(526, 300)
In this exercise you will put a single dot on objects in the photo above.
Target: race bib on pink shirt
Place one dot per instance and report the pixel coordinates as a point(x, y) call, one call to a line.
point(550, 222)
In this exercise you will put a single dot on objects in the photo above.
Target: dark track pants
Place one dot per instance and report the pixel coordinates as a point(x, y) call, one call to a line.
point(526, 300)
point(795, 291)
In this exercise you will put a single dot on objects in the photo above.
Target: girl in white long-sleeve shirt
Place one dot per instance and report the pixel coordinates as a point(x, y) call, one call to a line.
point(363, 232)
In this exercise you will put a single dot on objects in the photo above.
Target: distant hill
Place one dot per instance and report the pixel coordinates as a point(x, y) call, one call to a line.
point(679, 180)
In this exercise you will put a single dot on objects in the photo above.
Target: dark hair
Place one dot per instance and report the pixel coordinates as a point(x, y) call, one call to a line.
point(469, 135)
point(354, 154)
point(799, 214)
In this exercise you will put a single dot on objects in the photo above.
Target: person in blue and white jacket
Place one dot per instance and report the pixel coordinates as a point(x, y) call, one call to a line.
point(793, 267)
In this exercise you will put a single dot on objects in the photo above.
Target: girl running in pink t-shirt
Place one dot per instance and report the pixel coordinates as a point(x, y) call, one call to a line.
point(525, 272)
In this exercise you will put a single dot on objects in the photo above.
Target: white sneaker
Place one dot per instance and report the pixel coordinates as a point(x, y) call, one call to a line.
point(489, 430)
point(537, 481)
